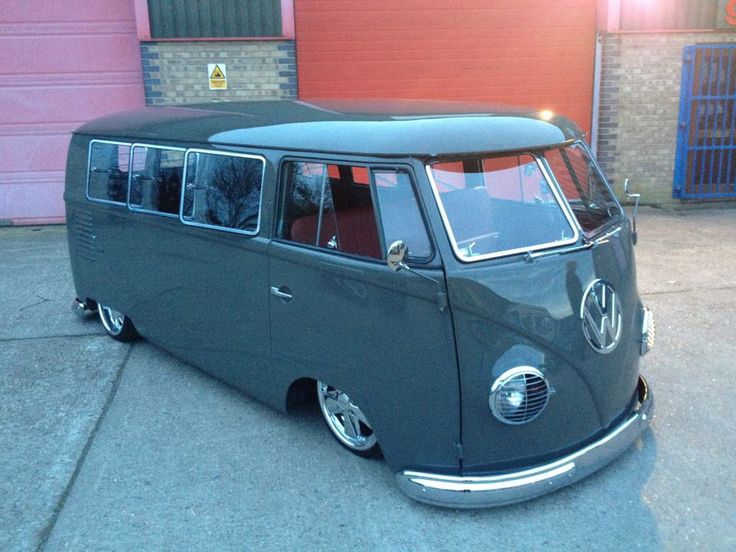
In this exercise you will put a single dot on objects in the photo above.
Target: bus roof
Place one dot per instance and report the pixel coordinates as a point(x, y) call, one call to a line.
point(367, 127)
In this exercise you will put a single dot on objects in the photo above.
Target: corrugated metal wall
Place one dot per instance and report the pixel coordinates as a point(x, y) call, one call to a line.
point(672, 14)
point(61, 64)
point(527, 52)
point(214, 18)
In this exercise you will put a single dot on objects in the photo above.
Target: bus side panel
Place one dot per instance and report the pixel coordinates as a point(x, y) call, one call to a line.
point(199, 293)
point(202, 295)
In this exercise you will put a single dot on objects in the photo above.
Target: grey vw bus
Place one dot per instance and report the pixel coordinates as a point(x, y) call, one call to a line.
point(455, 283)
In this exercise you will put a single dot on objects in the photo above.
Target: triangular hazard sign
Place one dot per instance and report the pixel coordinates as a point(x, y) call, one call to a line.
point(217, 73)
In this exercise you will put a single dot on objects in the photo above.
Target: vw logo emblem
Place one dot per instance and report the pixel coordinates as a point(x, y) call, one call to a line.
point(600, 313)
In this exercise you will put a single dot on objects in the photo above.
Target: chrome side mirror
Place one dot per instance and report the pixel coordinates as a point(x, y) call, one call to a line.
point(396, 255)
point(635, 198)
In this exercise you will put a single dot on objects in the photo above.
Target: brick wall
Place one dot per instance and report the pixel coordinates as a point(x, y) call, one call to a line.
point(176, 72)
point(639, 106)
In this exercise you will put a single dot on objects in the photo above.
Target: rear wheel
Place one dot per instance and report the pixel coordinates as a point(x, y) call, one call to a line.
point(346, 421)
point(116, 324)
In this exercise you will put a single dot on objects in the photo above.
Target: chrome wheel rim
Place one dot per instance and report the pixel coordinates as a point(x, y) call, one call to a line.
point(111, 319)
point(345, 419)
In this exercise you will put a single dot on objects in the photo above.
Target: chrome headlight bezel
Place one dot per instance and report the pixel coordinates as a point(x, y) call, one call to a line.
point(648, 331)
point(505, 392)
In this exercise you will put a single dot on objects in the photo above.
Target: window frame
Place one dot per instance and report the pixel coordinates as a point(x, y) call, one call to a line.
point(282, 175)
point(408, 169)
point(89, 171)
point(260, 158)
point(551, 182)
point(594, 163)
point(130, 180)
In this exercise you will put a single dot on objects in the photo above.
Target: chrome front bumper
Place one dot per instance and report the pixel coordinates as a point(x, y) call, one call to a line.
point(498, 490)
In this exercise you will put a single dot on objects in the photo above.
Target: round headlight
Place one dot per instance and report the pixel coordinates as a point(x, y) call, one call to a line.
point(519, 395)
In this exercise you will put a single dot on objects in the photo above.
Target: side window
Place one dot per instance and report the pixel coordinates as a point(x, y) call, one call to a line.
point(107, 179)
point(155, 183)
point(223, 191)
point(323, 206)
point(400, 215)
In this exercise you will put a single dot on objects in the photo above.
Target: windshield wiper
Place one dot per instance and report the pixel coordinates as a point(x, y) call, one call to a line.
point(587, 244)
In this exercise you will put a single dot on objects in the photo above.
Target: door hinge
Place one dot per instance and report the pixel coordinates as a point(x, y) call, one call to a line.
point(459, 452)
point(442, 300)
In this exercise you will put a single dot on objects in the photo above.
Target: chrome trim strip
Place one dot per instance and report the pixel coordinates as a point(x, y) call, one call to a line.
point(89, 162)
point(519, 250)
point(600, 173)
point(211, 226)
point(485, 491)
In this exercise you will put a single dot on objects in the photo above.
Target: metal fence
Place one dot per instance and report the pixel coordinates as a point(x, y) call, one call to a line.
point(705, 164)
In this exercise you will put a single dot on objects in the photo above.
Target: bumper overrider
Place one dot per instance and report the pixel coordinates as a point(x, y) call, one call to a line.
point(485, 491)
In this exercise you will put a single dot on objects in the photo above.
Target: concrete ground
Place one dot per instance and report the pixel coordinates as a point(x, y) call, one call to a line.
point(106, 446)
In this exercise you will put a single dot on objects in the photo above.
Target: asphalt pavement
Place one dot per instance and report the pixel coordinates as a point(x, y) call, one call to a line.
point(109, 446)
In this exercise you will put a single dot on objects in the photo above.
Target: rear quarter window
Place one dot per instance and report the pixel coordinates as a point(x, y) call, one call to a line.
point(107, 171)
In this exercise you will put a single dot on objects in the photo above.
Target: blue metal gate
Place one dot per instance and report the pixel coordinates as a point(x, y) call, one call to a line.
point(705, 163)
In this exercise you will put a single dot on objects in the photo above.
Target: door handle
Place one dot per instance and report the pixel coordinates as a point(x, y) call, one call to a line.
point(281, 294)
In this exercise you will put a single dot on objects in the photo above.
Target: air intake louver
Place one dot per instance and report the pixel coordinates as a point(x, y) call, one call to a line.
point(84, 234)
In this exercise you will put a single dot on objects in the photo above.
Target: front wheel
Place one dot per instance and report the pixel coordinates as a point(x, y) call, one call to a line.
point(346, 421)
point(116, 324)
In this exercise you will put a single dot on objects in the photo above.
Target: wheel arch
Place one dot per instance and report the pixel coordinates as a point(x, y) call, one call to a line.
point(301, 391)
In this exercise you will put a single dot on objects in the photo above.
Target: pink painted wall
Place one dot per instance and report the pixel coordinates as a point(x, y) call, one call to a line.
point(61, 64)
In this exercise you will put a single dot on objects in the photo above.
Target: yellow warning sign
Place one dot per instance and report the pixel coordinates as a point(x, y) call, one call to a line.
point(217, 73)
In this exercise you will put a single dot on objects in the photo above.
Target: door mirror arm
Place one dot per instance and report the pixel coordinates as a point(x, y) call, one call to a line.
point(396, 260)
point(635, 198)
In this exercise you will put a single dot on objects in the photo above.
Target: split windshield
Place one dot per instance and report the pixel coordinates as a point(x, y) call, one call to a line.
point(503, 205)
point(583, 186)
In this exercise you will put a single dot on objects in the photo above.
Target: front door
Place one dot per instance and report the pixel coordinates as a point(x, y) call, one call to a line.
point(340, 315)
